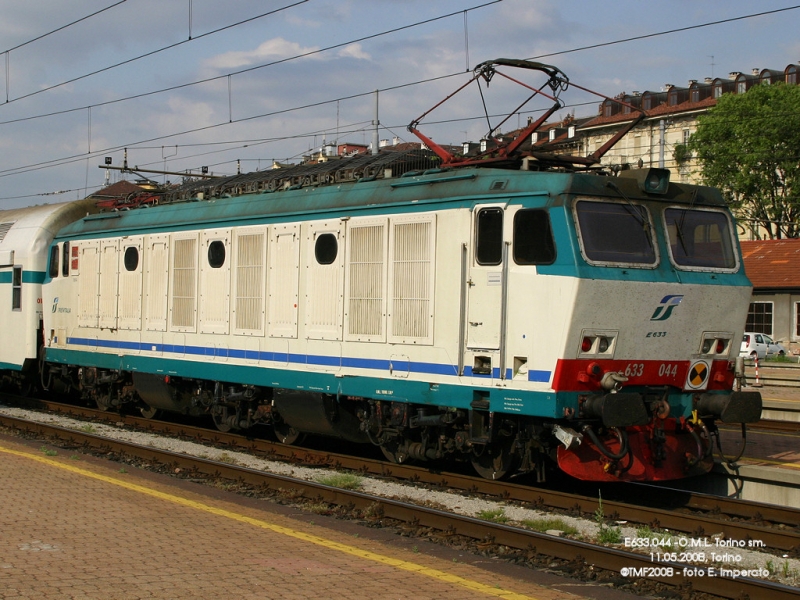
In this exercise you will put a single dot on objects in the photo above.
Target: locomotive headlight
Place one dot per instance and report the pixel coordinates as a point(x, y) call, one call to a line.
point(586, 344)
point(650, 181)
point(716, 343)
point(602, 344)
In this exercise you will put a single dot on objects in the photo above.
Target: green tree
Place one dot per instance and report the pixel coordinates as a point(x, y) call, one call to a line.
point(748, 145)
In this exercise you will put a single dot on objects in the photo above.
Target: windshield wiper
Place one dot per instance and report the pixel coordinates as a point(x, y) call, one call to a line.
point(634, 211)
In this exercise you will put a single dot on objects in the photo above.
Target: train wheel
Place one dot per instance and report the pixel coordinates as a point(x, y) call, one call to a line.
point(496, 460)
point(148, 412)
point(221, 420)
point(103, 400)
point(287, 434)
point(26, 387)
point(394, 454)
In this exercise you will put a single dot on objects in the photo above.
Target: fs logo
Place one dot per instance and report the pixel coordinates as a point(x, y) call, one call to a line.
point(55, 304)
point(665, 308)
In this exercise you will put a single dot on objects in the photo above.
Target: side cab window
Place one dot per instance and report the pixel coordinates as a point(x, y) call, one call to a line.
point(489, 242)
point(533, 238)
point(54, 254)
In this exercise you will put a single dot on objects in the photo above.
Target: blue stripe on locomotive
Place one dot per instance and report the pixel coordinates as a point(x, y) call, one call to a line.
point(544, 404)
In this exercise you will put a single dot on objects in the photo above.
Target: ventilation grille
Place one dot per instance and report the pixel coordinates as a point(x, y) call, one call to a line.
point(250, 282)
point(184, 275)
point(411, 281)
point(365, 305)
point(4, 229)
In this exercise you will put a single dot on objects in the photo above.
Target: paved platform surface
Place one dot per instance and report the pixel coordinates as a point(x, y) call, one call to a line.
point(74, 526)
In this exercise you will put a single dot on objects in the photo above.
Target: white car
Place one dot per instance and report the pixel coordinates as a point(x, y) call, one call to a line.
point(761, 345)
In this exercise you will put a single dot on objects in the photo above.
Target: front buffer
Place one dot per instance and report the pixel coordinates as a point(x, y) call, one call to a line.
point(631, 439)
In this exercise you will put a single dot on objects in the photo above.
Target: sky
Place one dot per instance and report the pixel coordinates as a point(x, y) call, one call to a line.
point(184, 84)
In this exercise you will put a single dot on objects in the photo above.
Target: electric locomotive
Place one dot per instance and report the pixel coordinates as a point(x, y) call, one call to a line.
point(506, 308)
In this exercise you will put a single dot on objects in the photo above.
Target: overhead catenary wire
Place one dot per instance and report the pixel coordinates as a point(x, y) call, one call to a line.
point(248, 69)
point(151, 53)
point(65, 160)
point(44, 35)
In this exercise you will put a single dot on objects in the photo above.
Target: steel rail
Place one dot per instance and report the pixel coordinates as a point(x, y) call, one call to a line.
point(718, 511)
point(612, 559)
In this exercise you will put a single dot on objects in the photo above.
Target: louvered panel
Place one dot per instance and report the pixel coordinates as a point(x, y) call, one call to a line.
point(129, 311)
point(4, 229)
point(412, 280)
point(88, 282)
point(284, 257)
point(184, 283)
point(109, 261)
point(250, 274)
point(157, 258)
point(366, 281)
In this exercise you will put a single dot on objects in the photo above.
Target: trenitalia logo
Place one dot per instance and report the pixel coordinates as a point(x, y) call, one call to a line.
point(664, 310)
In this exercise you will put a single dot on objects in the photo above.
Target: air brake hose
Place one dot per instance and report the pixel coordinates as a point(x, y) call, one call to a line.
point(621, 436)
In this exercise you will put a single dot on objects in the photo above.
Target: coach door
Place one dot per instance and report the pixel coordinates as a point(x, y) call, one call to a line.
point(484, 282)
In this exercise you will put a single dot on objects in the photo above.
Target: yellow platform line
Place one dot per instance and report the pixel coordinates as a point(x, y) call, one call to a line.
point(754, 461)
point(474, 586)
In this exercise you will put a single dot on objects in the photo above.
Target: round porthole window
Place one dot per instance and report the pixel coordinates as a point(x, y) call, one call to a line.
point(326, 248)
point(216, 254)
point(131, 258)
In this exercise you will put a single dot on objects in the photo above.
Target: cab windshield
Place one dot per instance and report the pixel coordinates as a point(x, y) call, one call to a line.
point(700, 238)
point(616, 233)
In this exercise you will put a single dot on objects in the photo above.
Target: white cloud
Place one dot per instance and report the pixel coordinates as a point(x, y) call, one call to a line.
point(354, 51)
point(273, 49)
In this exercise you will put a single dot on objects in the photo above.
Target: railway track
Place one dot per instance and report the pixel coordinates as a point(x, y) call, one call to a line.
point(525, 543)
point(675, 510)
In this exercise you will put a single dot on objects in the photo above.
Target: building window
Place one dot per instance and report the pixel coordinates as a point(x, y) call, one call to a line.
point(759, 317)
point(717, 91)
point(797, 319)
point(741, 87)
point(791, 75)
point(686, 135)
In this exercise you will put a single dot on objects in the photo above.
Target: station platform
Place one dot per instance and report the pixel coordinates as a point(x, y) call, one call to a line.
point(75, 526)
point(769, 470)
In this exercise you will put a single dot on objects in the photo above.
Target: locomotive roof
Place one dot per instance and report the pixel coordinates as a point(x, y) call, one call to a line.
point(390, 182)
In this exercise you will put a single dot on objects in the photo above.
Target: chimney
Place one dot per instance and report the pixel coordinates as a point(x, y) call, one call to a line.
point(756, 72)
point(709, 80)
